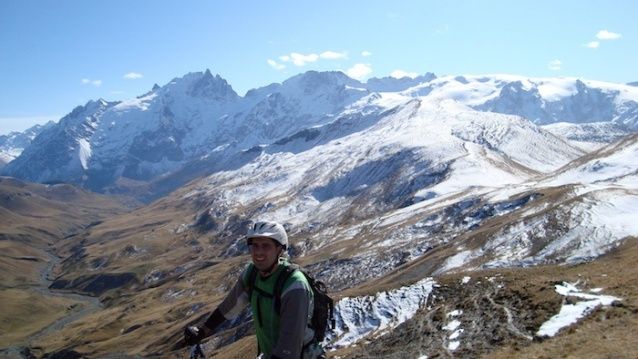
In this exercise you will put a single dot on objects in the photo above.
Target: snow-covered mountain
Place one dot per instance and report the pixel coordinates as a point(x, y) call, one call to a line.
point(589, 136)
point(541, 100)
point(158, 132)
point(12, 144)
point(197, 124)
point(414, 174)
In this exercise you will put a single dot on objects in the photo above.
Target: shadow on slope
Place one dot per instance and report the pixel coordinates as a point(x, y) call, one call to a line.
point(401, 175)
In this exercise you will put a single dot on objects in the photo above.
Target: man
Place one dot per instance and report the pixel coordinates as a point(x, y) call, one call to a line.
point(278, 336)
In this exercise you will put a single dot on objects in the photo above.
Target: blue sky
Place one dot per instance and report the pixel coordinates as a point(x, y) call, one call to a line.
point(55, 55)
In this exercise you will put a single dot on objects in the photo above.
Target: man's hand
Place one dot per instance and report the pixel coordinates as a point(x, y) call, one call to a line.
point(193, 335)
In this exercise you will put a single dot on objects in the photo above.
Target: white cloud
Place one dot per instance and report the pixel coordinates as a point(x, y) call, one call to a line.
point(607, 35)
point(366, 53)
point(398, 74)
point(555, 65)
point(592, 44)
point(332, 55)
point(359, 71)
point(275, 65)
point(133, 76)
point(301, 59)
point(96, 83)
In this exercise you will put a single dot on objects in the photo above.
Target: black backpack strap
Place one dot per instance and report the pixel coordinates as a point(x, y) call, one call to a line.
point(252, 277)
point(286, 272)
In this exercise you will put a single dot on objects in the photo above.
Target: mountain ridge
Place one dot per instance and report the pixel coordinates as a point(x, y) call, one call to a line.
point(162, 132)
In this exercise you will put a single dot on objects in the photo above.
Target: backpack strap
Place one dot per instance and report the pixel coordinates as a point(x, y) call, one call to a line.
point(279, 285)
point(282, 277)
point(252, 277)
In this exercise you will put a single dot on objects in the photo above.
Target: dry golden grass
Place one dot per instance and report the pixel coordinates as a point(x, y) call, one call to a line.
point(147, 321)
point(25, 312)
point(20, 265)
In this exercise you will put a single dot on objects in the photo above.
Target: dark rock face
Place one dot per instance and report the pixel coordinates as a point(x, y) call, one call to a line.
point(514, 100)
point(64, 354)
point(96, 285)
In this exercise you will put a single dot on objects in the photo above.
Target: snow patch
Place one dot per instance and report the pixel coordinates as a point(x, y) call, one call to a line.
point(359, 317)
point(557, 89)
point(457, 260)
point(571, 313)
point(454, 327)
point(84, 152)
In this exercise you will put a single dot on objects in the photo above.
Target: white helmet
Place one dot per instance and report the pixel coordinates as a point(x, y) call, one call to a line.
point(272, 230)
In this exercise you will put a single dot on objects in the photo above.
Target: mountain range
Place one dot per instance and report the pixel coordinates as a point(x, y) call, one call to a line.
point(12, 144)
point(197, 125)
point(451, 216)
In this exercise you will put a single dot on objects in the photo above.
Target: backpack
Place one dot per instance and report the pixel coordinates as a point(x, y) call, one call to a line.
point(323, 309)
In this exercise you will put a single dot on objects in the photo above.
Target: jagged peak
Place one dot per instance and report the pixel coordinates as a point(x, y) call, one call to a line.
point(206, 85)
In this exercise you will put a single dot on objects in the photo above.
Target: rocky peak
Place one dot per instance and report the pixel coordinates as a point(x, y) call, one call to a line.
point(207, 85)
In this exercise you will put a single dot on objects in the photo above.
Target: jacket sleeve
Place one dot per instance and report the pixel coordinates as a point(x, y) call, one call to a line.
point(231, 306)
point(293, 324)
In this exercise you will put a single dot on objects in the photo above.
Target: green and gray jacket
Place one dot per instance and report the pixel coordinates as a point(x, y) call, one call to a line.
point(280, 336)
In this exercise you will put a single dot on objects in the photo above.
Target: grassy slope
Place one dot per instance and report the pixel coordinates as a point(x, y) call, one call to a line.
point(32, 218)
point(25, 312)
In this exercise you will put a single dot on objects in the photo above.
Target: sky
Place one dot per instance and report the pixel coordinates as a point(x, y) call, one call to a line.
point(56, 55)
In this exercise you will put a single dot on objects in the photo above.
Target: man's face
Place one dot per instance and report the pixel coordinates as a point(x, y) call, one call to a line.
point(264, 252)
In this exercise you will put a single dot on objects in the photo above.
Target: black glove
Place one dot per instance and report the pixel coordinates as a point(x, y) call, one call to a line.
point(193, 335)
